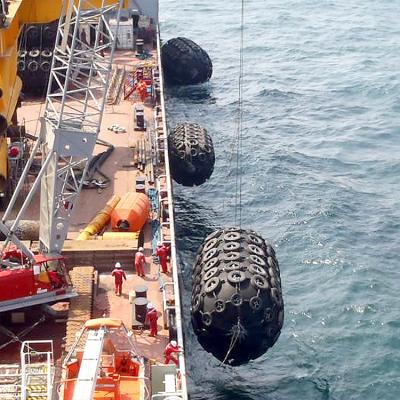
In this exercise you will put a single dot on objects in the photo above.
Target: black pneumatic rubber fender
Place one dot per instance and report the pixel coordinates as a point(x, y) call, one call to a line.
point(33, 34)
point(184, 62)
point(191, 154)
point(49, 34)
point(245, 287)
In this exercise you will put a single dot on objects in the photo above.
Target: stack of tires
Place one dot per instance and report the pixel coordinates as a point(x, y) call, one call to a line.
point(35, 55)
point(237, 307)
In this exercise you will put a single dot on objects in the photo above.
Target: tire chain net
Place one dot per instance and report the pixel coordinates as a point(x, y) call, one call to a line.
point(236, 279)
point(191, 154)
point(184, 62)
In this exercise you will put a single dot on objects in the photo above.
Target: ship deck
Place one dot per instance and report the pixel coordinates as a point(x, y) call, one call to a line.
point(122, 172)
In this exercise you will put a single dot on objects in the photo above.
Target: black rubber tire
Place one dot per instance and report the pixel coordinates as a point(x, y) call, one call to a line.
point(45, 66)
point(227, 291)
point(21, 66)
point(47, 53)
point(34, 53)
point(33, 66)
point(185, 62)
point(185, 144)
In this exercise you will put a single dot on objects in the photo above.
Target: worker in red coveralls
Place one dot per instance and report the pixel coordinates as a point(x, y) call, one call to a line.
point(140, 262)
point(162, 252)
point(151, 319)
point(118, 274)
point(172, 347)
point(141, 88)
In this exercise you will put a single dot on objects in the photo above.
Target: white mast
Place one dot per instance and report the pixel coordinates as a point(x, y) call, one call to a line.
point(75, 101)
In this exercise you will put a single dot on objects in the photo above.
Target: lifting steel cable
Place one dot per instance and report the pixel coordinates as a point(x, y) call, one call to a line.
point(238, 331)
point(239, 129)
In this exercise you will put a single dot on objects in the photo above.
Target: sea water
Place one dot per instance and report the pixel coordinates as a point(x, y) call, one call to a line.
point(320, 180)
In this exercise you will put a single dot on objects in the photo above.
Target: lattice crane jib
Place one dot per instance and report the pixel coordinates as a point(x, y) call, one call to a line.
point(75, 102)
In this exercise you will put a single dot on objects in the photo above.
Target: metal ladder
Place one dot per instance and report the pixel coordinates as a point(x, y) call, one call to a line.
point(90, 366)
point(37, 370)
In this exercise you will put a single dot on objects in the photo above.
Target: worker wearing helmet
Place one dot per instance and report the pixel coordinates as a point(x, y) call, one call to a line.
point(118, 274)
point(172, 347)
point(162, 252)
point(141, 88)
point(151, 319)
point(140, 261)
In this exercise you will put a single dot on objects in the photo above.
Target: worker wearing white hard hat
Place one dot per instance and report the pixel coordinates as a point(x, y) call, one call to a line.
point(172, 347)
point(151, 319)
point(119, 275)
point(162, 252)
point(140, 262)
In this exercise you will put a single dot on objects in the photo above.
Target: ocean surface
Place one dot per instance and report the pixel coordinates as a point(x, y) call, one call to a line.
point(321, 181)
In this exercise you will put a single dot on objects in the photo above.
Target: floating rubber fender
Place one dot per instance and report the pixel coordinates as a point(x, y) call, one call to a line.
point(191, 154)
point(120, 236)
point(47, 53)
point(237, 309)
point(97, 224)
point(22, 54)
point(185, 62)
point(131, 213)
point(34, 53)
point(49, 33)
point(33, 66)
point(32, 34)
point(45, 66)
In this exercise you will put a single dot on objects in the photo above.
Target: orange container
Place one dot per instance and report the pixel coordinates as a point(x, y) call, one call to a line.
point(131, 212)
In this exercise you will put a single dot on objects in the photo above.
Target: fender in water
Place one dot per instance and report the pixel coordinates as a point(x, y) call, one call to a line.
point(185, 62)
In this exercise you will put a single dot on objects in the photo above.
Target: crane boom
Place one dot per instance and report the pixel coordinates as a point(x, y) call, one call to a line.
point(69, 129)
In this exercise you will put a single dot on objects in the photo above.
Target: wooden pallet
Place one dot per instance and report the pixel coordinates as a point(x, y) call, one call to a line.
point(80, 309)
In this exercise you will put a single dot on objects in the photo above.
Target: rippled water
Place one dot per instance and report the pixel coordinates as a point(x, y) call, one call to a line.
point(320, 180)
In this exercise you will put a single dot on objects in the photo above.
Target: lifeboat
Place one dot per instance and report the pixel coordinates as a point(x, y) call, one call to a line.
point(103, 364)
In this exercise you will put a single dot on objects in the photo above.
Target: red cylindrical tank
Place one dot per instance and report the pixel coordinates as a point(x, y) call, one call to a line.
point(131, 212)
